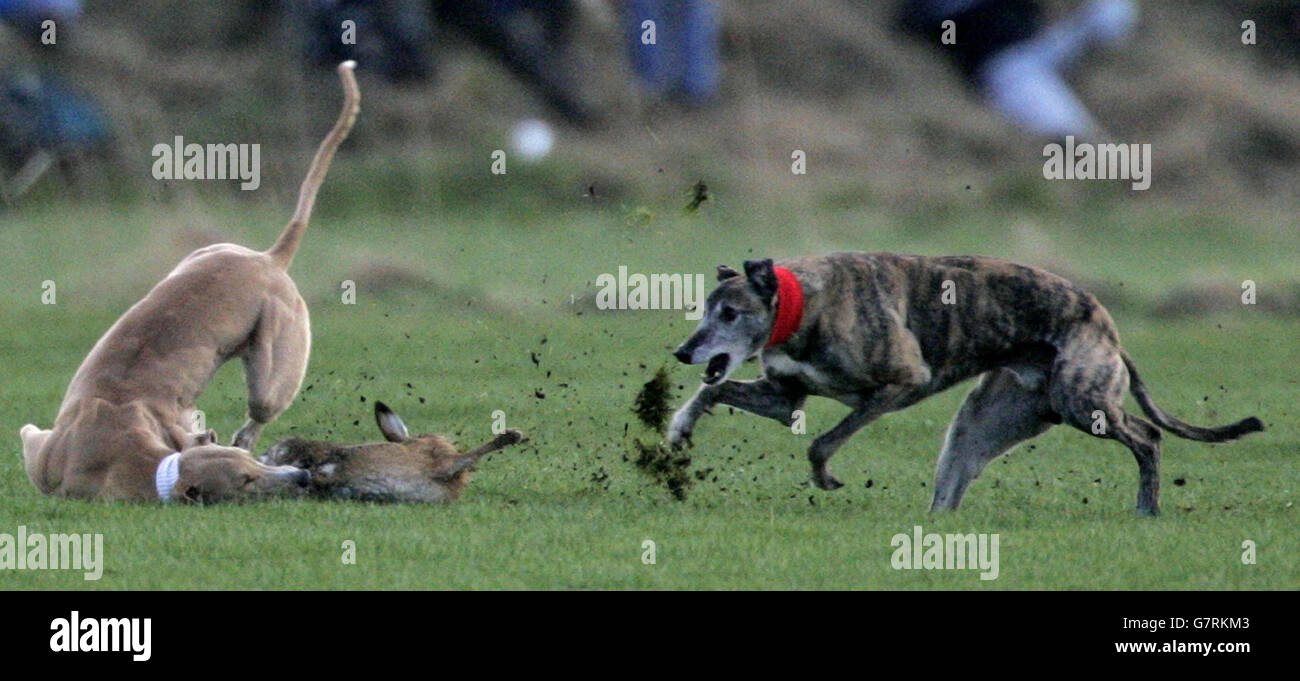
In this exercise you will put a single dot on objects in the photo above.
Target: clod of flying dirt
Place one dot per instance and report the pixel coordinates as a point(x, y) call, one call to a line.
point(651, 404)
point(666, 467)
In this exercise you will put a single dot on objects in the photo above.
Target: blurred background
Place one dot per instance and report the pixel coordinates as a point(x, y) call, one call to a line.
point(907, 141)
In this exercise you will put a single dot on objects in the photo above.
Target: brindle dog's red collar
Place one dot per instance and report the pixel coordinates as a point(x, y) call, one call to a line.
point(789, 306)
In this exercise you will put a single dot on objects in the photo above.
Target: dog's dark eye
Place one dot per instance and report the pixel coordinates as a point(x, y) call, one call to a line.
point(728, 314)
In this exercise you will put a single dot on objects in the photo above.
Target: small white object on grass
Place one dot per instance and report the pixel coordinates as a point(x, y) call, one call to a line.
point(532, 139)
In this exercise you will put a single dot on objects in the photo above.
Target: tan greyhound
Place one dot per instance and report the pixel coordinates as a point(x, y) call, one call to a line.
point(122, 431)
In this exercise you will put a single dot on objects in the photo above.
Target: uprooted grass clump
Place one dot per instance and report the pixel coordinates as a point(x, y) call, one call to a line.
point(668, 468)
point(651, 404)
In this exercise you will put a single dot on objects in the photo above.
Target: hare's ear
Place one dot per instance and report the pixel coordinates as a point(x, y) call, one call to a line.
point(390, 424)
point(199, 439)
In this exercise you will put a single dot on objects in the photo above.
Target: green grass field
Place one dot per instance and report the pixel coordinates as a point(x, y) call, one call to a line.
point(461, 313)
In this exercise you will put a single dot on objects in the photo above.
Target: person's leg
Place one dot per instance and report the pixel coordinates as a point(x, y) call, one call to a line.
point(649, 47)
point(1100, 22)
point(1027, 89)
point(700, 65)
point(1025, 83)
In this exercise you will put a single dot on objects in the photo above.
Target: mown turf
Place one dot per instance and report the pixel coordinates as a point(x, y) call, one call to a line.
point(492, 312)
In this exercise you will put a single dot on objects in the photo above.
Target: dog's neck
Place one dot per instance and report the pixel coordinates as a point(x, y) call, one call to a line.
point(787, 307)
point(146, 458)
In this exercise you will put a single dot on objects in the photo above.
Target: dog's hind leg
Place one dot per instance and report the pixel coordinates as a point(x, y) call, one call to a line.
point(765, 397)
point(1087, 389)
point(509, 437)
point(274, 365)
point(33, 439)
point(1143, 439)
point(469, 459)
point(999, 413)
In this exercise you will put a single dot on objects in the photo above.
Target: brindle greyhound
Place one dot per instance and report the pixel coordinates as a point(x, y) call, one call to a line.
point(880, 332)
point(122, 431)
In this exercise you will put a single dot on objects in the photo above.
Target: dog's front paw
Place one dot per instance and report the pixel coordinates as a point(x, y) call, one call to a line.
point(822, 478)
point(679, 431)
point(679, 441)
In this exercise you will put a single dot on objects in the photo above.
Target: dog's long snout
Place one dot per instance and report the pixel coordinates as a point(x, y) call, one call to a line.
point(682, 354)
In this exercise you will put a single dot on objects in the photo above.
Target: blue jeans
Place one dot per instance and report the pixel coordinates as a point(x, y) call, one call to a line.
point(684, 60)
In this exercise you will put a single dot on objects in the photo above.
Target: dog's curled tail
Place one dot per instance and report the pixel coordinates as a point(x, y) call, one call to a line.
point(284, 248)
point(1231, 431)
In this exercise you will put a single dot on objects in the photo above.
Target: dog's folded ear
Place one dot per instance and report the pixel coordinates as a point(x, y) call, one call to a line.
point(390, 424)
point(762, 277)
point(725, 273)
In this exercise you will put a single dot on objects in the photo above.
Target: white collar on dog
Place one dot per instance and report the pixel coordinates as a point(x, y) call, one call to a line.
point(165, 477)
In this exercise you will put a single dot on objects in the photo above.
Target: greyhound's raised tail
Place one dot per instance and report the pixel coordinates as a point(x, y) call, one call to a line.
point(284, 248)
